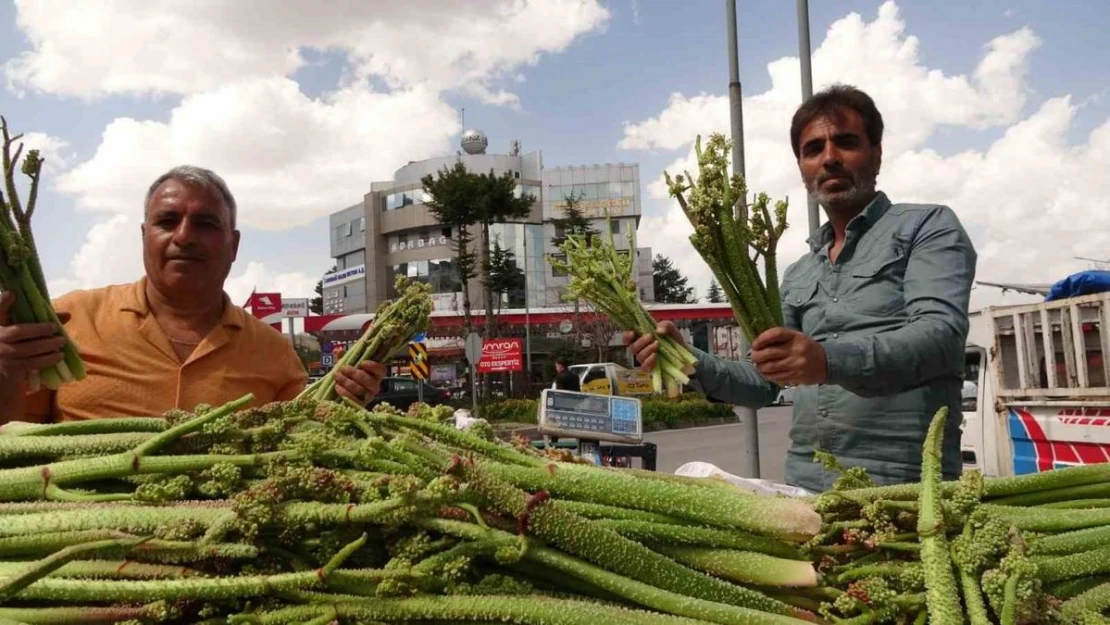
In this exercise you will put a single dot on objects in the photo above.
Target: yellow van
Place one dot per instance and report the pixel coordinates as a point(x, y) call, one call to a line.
point(601, 378)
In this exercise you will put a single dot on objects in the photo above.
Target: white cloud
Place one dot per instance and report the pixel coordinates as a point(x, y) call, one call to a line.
point(1013, 195)
point(94, 266)
point(287, 158)
point(176, 48)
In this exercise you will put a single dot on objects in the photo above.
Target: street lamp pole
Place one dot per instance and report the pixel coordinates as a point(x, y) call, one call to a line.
point(805, 56)
point(749, 420)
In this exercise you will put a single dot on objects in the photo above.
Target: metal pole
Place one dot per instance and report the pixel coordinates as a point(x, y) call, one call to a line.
point(527, 323)
point(805, 56)
point(749, 420)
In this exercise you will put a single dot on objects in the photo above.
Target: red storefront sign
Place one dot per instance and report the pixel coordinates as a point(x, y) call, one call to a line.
point(500, 355)
point(265, 304)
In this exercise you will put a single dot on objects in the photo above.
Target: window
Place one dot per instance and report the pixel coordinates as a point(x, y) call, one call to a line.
point(403, 386)
point(616, 226)
point(556, 272)
point(628, 189)
point(362, 224)
point(346, 228)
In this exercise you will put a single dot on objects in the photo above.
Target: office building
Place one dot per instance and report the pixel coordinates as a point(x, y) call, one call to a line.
point(391, 232)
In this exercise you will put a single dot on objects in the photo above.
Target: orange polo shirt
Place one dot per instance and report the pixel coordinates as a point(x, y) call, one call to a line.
point(131, 368)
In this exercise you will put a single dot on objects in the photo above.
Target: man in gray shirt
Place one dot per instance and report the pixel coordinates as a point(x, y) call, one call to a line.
point(875, 314)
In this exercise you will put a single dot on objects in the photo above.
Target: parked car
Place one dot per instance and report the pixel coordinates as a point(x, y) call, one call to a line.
point(401, 393)
point(786, 396)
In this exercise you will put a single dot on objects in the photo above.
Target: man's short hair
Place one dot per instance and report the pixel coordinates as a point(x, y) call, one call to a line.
point(200, 177)
point(829, 101)
point(562, 361)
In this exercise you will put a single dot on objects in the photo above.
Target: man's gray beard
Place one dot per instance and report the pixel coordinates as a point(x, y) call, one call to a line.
point(857, 196)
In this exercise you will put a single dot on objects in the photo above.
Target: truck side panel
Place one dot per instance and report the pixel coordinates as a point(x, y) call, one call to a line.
point(1046, 438)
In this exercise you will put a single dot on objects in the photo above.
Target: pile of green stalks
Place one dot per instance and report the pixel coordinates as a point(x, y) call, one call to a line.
point(322, 512)
point(1016, 550)
point(733, 243)
point(605, 277)
point(396, 323)
point(20, 269)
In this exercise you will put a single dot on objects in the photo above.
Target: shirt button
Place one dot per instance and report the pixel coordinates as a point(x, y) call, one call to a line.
point(836, 335)
point(836, 299)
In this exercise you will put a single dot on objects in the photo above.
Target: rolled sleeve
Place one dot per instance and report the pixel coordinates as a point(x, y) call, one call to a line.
point(937, 286)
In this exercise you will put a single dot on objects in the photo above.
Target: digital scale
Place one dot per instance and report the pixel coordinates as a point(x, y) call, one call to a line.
point(590, 419)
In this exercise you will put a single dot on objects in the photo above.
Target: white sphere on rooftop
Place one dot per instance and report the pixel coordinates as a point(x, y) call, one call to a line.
point(474, 142)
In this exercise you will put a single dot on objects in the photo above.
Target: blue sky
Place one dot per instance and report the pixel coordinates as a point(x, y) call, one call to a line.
point(573, 103)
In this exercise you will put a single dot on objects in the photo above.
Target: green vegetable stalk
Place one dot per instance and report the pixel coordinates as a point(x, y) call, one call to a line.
point(20, 269)
point(730, 243)
point(604, 277)
point(394, 325)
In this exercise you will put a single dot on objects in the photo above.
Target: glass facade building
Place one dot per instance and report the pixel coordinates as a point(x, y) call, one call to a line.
point(392, 233)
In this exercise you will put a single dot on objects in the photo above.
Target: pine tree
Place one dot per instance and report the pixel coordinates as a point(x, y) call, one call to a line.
point(714, 295)
point(670, 284)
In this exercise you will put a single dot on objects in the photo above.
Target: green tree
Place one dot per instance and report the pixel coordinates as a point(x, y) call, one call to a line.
point(455, 199)
point(574, 223)
point(503, 276)
point(498, 203)
point(316, 305)
point(670, 284)
point(714, 295)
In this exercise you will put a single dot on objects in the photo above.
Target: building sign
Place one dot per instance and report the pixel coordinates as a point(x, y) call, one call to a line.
point(500, 355)
point(296, 307)
point(600, 208)
point(447, 301)
point(345, 275)
point(418, 244)
point(265, 304)
point(444, 373)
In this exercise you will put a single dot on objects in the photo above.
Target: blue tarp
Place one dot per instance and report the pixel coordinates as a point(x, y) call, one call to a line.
point(1082, 283)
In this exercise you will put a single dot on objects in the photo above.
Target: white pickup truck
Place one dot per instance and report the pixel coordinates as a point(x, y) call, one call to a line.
point(1041, 399)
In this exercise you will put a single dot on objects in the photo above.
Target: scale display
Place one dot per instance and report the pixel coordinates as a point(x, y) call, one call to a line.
point(588, 416)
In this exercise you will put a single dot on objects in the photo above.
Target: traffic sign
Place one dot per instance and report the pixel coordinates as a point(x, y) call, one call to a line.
point(327, 360)
point(419, 338)
point(419, 366)
point(473, 348)
point(327, 347)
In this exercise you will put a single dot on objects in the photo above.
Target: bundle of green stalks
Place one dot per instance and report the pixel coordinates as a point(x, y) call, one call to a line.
point(1027, 549)
point(734, 245)
point(322, 512)
point(20, 269)
point(396, 323)
point(604, 277)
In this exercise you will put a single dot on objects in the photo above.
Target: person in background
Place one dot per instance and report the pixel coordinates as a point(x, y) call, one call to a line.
point(565, 379)
point(876, 313)
point(173, 339)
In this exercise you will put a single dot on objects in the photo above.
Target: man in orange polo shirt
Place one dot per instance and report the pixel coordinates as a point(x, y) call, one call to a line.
point(173, 339)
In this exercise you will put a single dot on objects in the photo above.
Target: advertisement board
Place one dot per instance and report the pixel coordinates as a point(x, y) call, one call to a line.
point(295, 307)
point(265, 304)
point(499, 355)
point(344, 275)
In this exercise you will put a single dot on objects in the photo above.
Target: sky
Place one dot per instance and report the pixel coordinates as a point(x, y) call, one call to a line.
point(999, 109)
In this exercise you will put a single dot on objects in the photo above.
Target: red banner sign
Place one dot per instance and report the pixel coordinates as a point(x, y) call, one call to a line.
point(265, 304)
point(500, 355)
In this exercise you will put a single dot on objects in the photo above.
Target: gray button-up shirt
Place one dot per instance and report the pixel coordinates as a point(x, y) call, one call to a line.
point(891, 313)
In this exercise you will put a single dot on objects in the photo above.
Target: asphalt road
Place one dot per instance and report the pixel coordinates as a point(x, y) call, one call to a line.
point(717, 444)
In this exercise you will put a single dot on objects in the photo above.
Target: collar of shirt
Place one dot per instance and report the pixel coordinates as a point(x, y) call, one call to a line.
point(819, 242)
point(135, 301)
